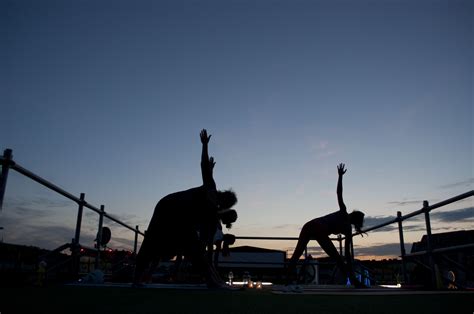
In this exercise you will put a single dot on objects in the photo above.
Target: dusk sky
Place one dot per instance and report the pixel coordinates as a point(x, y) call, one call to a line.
point(108, 98)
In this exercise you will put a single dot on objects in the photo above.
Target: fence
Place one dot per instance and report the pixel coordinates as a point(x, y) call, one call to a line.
point(7, 163)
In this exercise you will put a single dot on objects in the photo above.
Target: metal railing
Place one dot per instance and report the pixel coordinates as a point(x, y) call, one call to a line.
point(7, 163)
point(426, 209)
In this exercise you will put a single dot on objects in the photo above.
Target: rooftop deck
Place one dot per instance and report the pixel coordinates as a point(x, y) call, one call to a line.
point(121, 298)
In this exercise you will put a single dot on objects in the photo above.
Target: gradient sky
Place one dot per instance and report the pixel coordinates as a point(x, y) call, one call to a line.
point(108, 98)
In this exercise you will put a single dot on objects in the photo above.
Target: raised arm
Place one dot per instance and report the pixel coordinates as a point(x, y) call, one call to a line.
point(207, 164)
point(340, 171)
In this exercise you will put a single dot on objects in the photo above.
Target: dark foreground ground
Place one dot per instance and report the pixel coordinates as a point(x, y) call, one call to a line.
point(85, 300)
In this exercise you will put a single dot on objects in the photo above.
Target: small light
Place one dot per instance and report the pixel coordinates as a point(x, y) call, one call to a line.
point(241, 283)
point(259, 285)
point(250, 284)
point(392, 286)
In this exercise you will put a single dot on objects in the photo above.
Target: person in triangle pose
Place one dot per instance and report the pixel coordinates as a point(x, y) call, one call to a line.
point(183, 223)
point(319, 229)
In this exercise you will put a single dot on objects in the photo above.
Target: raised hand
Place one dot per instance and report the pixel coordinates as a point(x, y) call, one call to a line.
point(204, 138)
point(212, 163)
point(341, 170)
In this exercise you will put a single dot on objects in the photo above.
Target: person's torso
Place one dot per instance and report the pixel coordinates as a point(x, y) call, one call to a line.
point(336, 223)
point(181, 210)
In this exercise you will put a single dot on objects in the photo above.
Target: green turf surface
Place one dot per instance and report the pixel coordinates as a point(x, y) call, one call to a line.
point(87, 300)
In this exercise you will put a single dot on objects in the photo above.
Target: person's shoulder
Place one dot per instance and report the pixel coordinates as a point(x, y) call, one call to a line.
point(338, 216)
point(335, 214)
point(200, 188)
point(176, 197)
point(197, 189)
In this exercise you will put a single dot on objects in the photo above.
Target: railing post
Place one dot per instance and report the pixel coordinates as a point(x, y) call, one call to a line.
point(99, 236)
point(429, 247)
point(402, 246)
point(79, 220)
point(77, 235)
point(136, 241)
point(352, 249)
point(7, 157)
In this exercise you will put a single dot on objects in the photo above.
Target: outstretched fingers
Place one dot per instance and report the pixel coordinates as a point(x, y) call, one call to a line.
point(204, 137)
point(340, 168)
point(212, 163)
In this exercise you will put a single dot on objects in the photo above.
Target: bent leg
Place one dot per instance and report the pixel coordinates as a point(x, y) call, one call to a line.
point(300, 247)
point(327, 245)
point(199, 257)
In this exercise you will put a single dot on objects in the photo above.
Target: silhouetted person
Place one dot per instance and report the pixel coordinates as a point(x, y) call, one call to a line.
point(181, 220)
point(216, 240)
point(222, 242)
point(320, 228)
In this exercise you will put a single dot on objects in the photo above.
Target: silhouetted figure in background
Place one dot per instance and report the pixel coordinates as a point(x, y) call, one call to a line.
point(222, 242)
point(216, 240)
point(182, 220)
point(320, 228)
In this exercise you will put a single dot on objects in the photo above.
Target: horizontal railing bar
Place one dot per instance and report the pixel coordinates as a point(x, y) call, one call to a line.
point(92, 207)
point(44, 182)
point(299, 262)
point(452, 200)
point(391, 221)
point(273, 238)
point(440, 204)
point(123, 224)
point(66, 194)
point(265, 238)
point(420, 211)
point(257, 263)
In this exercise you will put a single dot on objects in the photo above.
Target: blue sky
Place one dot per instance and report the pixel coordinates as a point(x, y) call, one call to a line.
point(108, 99)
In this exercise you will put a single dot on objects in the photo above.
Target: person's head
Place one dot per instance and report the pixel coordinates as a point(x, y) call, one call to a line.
point(227, 216)
point(357, 219)
point(228, 240)
point(226, 199)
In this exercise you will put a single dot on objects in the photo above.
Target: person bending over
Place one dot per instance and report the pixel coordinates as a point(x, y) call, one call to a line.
point(320, 228)
point(220, 240)
point(177, 219)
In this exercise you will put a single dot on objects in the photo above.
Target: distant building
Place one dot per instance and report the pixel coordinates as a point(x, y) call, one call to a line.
point(445, 239)
point(19, 264)
point(459, 263)
point(260, 263)
point(253, 257)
